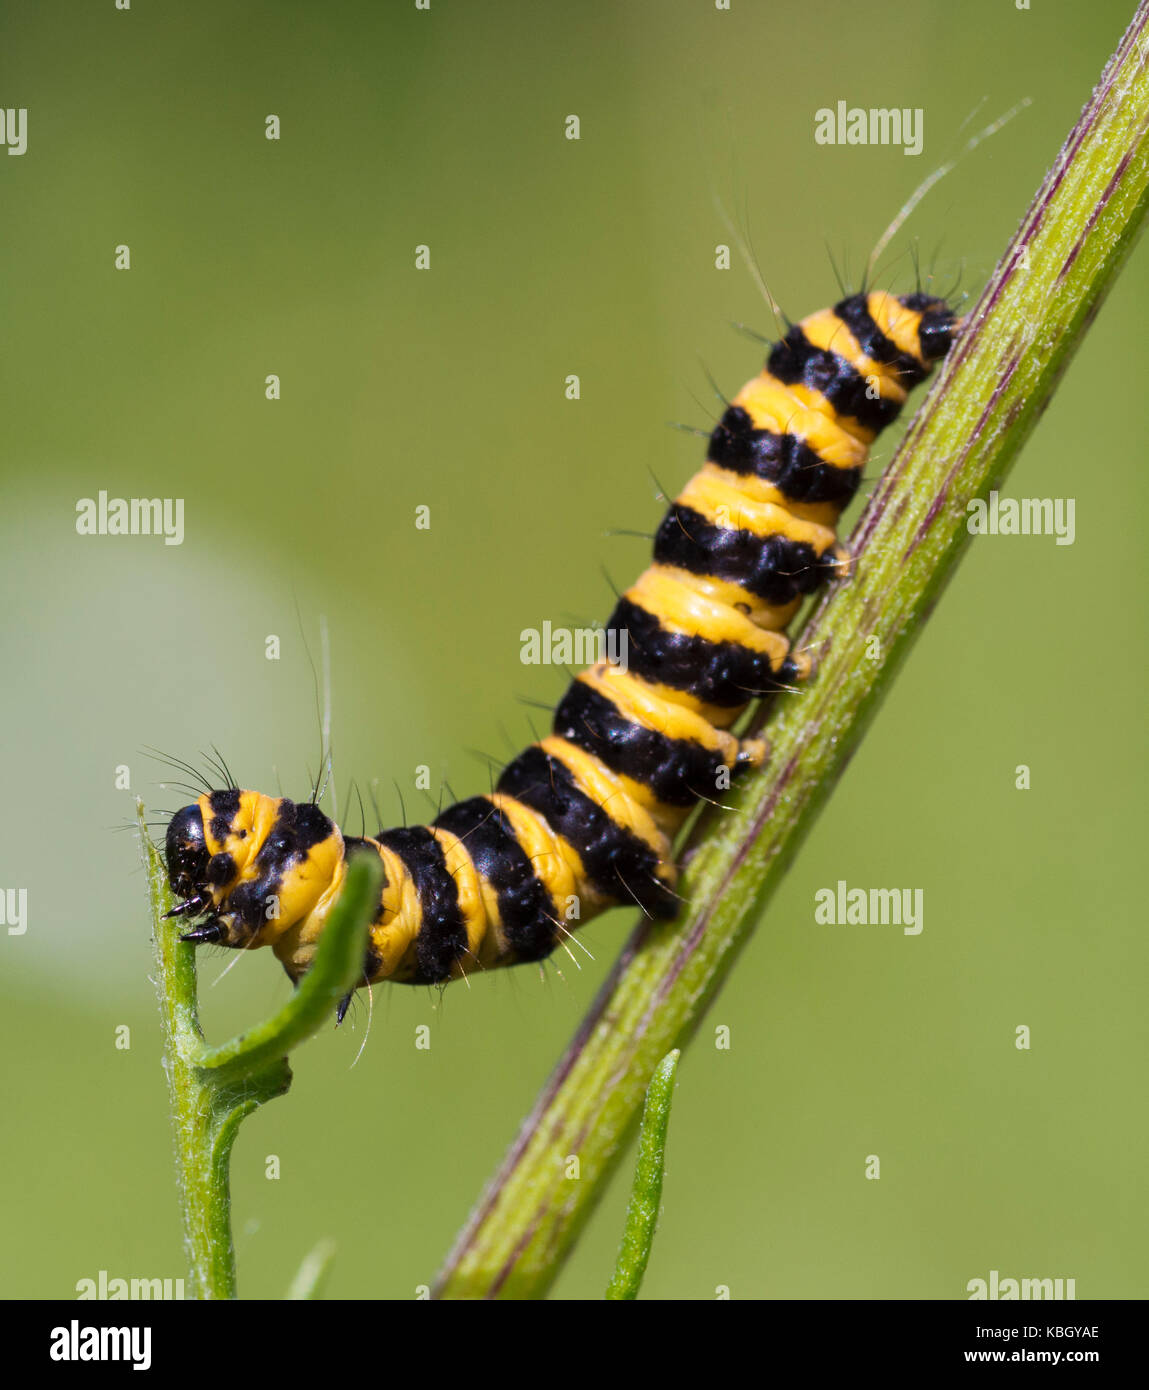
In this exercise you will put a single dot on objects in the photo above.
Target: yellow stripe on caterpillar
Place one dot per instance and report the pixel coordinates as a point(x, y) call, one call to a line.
point(827, 331)
point(394, 936)
point(248, 828)
point(898, 323)
point(718, 715)
point(772, 617)
point(759, 490)
point(462, 869)
point(682, 609)
point(773, 406)
point(554, 859)
point(608, 790)
point(638, 703)
point(725, 505)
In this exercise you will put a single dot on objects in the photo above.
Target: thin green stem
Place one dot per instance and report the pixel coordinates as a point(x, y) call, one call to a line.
point(211, 1089)
point(1030, 321)
point(646, 1194)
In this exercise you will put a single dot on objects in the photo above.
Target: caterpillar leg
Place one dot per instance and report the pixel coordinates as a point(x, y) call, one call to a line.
point(796, 669)
point(212, 933)
point(800, 666)
point(752, 752)
point(840, 562)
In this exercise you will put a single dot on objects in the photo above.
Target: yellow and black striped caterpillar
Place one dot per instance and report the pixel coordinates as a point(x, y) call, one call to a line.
point(587, 816)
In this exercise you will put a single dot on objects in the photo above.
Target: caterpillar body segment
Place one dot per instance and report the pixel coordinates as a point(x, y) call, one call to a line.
point(585, 819)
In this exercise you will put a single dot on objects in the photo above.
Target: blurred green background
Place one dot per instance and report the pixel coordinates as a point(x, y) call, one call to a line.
point(444, 388)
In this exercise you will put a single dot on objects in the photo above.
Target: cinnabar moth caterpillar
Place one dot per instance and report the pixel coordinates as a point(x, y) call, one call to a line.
point(588, 814)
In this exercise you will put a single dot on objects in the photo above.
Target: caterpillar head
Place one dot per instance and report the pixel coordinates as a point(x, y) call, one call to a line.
point(252, 865)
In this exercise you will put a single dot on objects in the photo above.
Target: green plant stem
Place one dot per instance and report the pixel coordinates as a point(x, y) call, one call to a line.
point(211, 1089)
point(997, 381)
point(646, 1194)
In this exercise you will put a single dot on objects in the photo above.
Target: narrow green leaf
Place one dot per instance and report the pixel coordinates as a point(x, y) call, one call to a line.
point(646, 1194)
point(312, 1273)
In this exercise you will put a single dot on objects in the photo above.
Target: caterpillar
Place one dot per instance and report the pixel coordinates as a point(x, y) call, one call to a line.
point(586, 817)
